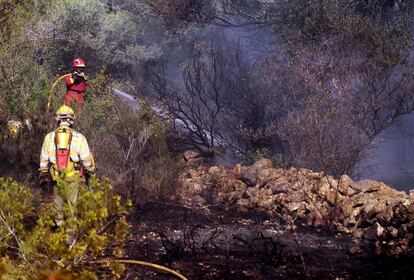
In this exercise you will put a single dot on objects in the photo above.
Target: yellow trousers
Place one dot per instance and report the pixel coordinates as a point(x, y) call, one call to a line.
point(65, 195)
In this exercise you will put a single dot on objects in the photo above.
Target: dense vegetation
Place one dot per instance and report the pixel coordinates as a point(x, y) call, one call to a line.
point(336, 74)
point(30, 246)
point(338, 70)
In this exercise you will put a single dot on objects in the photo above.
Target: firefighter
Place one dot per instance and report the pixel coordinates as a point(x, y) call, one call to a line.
point(65, 151)
point(76, 84)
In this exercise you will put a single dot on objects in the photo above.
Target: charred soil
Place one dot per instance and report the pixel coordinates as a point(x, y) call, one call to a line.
point(219, 244)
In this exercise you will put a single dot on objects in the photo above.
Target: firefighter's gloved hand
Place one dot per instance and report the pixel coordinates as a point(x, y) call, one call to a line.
point(78, 78)
point(43, 176)
point(44, 180)
point(83, 75)
point(88, 175)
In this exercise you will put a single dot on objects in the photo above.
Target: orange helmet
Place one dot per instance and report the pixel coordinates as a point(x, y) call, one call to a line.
point(78, 62)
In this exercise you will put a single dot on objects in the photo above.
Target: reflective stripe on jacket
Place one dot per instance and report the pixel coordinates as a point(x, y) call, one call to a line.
point(79, 152)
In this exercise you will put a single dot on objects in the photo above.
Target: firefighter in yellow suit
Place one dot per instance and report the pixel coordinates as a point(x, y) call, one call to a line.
point(65, 151)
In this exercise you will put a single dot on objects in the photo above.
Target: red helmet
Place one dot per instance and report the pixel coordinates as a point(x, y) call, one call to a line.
point(78, 62)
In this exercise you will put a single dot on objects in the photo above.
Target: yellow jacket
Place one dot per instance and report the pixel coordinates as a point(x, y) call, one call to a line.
point(80, 154)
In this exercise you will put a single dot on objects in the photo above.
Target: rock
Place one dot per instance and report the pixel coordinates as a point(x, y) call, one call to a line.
point(281, 185)
point(233, 197)
point(373, 232)
point(220, 198)
point(266, 203)
point(267, 192)
point(230, 184)
point(368, 186)
point(358, 233)
point(332, 182)
point(249, 175)
point(385, 214)
point(242, 204)
point(346, 206)
point(393, 232)
point(263, 163)
point(253, 202)
point(367, 210)
point(319, 220)
point(344, 186)
point(237, 170)
point(294, 206)
point(191, 155)
point(332, 197)
point(411, 196)
point(239, 185)
point(266, 175)
point(252, 192)
point(356, 249)
point(214, 170)
point(199, 200)
point(197, 187)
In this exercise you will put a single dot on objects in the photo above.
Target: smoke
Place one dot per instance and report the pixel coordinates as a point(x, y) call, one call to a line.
point(381, 160)
point(390, 158)
point(251, 43)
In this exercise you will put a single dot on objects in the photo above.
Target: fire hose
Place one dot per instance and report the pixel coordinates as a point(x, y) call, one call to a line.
point(152, 265)
point(49, 99)
point(147, 264)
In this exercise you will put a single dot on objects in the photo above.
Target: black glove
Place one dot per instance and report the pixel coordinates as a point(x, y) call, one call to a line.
point(44, 181)
point(78, 78)
point(87, 178)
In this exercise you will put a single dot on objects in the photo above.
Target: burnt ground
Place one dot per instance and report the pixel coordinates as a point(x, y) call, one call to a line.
point(203, 244)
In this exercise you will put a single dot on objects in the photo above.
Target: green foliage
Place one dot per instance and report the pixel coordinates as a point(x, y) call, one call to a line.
point(21, 80)
point(375, 28)
point(94, 227)
point(23, 77)
point(100, 104)
point(24, 86)
point(343, 76)
point(15, 205)
point(128, 142)
point(91, 30)
point(130, 147)
point(17, 152)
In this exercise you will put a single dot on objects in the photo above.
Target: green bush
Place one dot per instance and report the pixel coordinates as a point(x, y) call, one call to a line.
point(15, 205)
point(24, 85)
point(128, 142)
point(94, 228)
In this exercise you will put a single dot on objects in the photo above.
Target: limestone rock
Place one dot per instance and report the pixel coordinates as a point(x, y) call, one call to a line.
point(266, 203)
point(345, 186)
point(266, 175)
point(366, 186)
point(370, 211)
point(281, 185)
point(374, 232)
point(249, 175)
point(191, 155)
point(214, 170)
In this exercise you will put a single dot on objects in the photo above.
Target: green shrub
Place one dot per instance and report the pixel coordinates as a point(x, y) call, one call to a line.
point(15, 205)
point(94, 228)
point(128, 142)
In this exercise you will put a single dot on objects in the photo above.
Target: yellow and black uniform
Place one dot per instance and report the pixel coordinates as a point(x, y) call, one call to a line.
point(77, 160)
point(65, 151)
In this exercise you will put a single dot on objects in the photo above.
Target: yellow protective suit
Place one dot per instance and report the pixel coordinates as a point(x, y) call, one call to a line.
point(80, 156)
point(79, 160)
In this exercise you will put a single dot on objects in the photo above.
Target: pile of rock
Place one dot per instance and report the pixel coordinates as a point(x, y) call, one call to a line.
point(369, 210)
